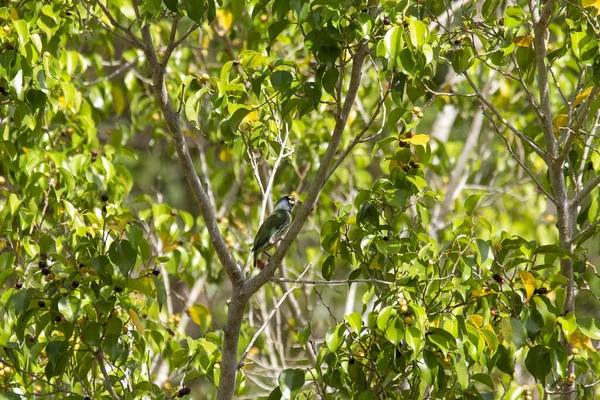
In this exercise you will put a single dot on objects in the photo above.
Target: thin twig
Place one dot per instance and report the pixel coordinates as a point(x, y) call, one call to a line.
point(271, 314)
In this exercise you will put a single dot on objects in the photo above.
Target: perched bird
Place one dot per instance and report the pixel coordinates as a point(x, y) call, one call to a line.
point(275, 226)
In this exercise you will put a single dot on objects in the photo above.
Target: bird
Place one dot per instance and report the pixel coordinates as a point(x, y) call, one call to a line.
point(274, 228)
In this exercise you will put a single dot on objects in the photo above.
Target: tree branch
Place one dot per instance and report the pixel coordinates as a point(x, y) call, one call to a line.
point(588, 229)
point(99, 356)
point(116, 24)
point(185, 160)
point(332, 282)
point(541, 152)
point(252, 285)
point(587, 189)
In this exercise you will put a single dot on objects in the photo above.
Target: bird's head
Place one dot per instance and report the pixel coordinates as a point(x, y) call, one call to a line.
point(286, 203)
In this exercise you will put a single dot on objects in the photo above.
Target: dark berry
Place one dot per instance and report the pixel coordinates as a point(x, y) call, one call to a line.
point(498, 278)
point(183, 391)
point(386, 238)
point(41, 304)
point(18, 285)
point(501, 22)
point(457, 41)
point(156, 271)
point(43, 256)
point(45, 271)
point(118, 288)
point(75, 284)
point(42, 264)
point(541, 290)
point(32, 338)
point(94, 153)
point(58, 318)
point(386, 20)
point(87, 398)
point(104, 197)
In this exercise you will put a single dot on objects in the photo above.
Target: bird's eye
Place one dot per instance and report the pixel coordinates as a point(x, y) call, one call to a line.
point(292, 200)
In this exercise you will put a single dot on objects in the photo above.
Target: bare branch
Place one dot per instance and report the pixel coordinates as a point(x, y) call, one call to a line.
point(123, 68)
point(521, 163)
point(121, 27)
point(541, 152)
point(332, 282)
point(269, 317)
point(358, 138)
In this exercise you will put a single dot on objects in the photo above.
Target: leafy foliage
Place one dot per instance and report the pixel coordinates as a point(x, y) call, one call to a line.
point(103, 263)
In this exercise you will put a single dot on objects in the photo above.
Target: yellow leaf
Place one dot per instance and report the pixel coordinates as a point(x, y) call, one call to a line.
point(225, 154)
point(528, 282)
point(136, 321)
point(351, 220)
point(200, 315)
point(591, 3)
point(118, 99)
point(523, 41)
point(581, 97)
point(477, 320)
point(375, 263)
point(560, 121)
point(485, 291)
point(225, 18)
point(14, 14)
point(417, 140)
point(586, 343)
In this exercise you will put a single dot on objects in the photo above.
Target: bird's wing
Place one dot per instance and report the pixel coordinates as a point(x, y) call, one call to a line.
point(271, 229)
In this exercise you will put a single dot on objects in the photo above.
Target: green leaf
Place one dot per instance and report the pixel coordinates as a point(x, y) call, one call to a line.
point(281, 80)
point(590, 327)
point(334, 338)
point(123, 255)
point(6, 262)
point(91, 333)
point(538, 362)
point(472, 202)
point(394, 42)
point(413, 338)
point(161, 293)
point(195, 9)
point(69, 307)
point(328, 268)
point(291, 382)
point(489, 7)
point(418, 32)
point(383, 317)
point(172, 5)
point(355, 321)
point(21, 299)
point(462, 374)
point(330, 80)
point(568, 324)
